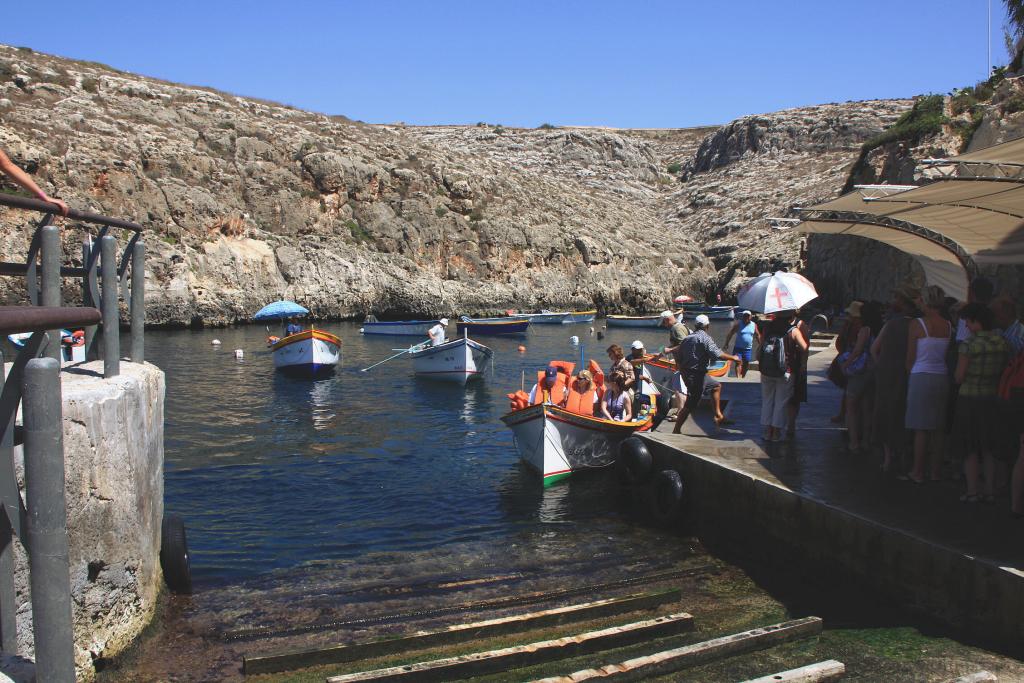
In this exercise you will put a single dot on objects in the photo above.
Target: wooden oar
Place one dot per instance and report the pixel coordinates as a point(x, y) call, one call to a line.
point(417, 347)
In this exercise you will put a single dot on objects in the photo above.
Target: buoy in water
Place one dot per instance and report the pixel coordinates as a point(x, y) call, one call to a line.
point(216, 342)
point(600, 334)
point(522, 349)
point(574, 340)
point(239, 354)
point(362, 330)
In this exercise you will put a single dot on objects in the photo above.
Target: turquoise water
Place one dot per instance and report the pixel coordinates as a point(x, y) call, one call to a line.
point(272, 472)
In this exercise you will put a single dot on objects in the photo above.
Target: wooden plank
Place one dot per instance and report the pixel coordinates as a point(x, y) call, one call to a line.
point(977, 677)
point(336, 654)
point(828, 670)
point(666, 662)
point(480, 663)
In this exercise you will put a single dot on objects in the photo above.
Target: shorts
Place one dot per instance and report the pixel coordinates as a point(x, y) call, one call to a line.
point(744, 354)
point(698, 386)
point(677, 384)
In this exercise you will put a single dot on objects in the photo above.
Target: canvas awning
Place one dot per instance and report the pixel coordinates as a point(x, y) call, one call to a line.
point(949, 226)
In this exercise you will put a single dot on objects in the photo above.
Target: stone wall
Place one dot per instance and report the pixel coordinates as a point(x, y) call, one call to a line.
point(114, 488)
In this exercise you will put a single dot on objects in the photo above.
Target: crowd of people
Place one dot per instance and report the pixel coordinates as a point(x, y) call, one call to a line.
point(921, 385)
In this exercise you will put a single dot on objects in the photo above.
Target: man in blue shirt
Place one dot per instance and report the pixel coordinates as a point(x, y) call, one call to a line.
point(693, 356)
point(292, 327)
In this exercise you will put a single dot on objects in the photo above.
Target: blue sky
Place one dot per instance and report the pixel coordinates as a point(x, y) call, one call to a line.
point(626, 64)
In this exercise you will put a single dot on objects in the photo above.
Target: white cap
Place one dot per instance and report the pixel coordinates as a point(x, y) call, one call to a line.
point(443, 321)
point(702, 320)
point(637, 344)
point(665, 315)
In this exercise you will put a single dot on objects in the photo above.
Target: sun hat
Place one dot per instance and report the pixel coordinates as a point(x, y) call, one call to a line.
point(665, 315)
point(443, 321)
point(637, 344)
point(743, 313)
point(702, 320)
point(853, 310)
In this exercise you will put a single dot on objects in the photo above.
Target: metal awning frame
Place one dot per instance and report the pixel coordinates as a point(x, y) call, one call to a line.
point(847, 217)
point(951, 169)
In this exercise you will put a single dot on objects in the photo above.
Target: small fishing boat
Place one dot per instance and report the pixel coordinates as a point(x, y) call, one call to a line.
point(559, 318)
point(458, 360)
point(694, 308)
point(405, 328)
point(556, 441)
point(662, 369)
point(633, 320)
point(308, 352)
point(492, 326)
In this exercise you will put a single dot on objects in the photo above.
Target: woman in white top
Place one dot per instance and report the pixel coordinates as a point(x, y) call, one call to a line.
point(928, 386)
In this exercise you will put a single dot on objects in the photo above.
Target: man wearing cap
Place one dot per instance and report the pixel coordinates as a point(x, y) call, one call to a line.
point(677, 331)
point(545, 386)
point(693, 356)
point(746, 331)
point(436, 333)
point(645, 386)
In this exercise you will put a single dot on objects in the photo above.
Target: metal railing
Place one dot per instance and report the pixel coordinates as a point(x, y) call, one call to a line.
point(105, 278)
point(40, 520)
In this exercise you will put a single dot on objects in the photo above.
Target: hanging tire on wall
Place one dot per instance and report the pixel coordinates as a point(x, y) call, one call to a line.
point(635, 461)
point(667, 496)
point(174, 558)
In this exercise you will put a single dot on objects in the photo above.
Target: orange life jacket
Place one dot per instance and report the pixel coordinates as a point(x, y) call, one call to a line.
point(555, 394)
point(580, 402)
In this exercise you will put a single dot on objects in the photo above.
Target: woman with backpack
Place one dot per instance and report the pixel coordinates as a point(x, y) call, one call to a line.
point(780, 349)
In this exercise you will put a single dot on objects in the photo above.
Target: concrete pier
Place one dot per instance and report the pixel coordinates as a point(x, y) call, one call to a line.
point(113, 448)
point(812, 508)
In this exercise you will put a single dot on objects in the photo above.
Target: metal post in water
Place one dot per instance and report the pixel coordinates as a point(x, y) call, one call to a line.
point(138, 302)
point(111, 318)
point(8, 596)
point(49, 251)
point(90, 276)
point(49, 572)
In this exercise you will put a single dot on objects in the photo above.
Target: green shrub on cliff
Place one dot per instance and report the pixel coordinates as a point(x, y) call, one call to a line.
point(924, 118)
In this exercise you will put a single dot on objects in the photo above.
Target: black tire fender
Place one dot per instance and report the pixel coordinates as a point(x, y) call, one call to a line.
point(667, 496)
point(636, 460)
point(174, 558)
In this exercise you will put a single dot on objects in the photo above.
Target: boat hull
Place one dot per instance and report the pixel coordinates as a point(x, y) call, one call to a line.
point(712, 312)
point(491, 328)
point(312, 352)
point(662, 369)
point(633, 321)
point(405, 328)
point(563, 318)
point(556, 442)
point(457, 361)
point(582, 317)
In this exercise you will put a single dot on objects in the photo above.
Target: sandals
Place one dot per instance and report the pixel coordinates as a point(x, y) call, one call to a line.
point(911, 478)
point(969, 498)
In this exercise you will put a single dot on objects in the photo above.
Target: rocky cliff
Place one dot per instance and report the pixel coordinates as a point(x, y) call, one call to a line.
point(247, 201)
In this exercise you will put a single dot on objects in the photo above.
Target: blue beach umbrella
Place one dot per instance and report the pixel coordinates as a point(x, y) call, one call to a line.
point(279, 310)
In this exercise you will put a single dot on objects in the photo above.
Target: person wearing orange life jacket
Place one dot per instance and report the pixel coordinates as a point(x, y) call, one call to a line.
point(582, 395)
point(550, 387)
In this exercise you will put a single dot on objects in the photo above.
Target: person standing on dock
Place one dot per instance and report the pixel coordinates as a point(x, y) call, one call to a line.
point(25, 180)
point(677, 332)
point(693, 356)
point(436, 333)
point(745, 330)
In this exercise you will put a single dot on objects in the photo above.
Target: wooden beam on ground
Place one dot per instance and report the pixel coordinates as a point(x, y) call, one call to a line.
point(977, 677)
point(661, 663)
point(812, 673)
point(481, 663)
point(336, 654)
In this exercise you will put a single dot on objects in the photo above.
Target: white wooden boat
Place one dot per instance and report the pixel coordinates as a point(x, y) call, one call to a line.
point(693, 309)
point(459, 360)
point(310, 352)
point(556, 442)
point(559, 318)
point(633, 321)
point(405, 328)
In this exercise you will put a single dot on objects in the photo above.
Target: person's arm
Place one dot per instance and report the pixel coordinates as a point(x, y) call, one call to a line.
point(912, 336)
point(25, 180)
point(798, 338)
point(732, 331)
point(627, 411)
point(962, 362)
point(720, 354)
point(604, 410)
point(858, 348)
point(876, 346)
point(630, 374)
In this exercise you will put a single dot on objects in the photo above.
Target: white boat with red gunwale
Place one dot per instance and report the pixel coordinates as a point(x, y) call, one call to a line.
point(557, 441)
point(458, 360)
point(310, 352)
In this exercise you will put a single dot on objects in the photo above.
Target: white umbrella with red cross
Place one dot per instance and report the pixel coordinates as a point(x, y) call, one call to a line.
point(770, 293)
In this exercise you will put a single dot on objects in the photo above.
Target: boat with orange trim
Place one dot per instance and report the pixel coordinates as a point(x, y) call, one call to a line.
point(492, 326)
point(310, 352)
point(662, 369)
point(557, 442)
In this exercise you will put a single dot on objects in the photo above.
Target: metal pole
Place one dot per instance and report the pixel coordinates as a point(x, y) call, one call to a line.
point(138, 303)
point(108, 295)
point(49, 572)
point(90, 275)
point(50, 253)
point(8, 596)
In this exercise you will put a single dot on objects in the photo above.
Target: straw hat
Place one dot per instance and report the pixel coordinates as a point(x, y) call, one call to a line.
point(853, 310)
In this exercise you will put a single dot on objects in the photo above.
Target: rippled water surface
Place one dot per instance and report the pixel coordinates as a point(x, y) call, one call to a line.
point(272, 472)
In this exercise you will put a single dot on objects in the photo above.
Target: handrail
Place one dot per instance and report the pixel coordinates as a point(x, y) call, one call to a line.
point(28, 204)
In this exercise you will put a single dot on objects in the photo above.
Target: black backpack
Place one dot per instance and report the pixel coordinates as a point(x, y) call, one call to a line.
point(771, 359)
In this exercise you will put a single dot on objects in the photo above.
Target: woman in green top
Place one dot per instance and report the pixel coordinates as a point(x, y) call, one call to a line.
point(981, 361)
